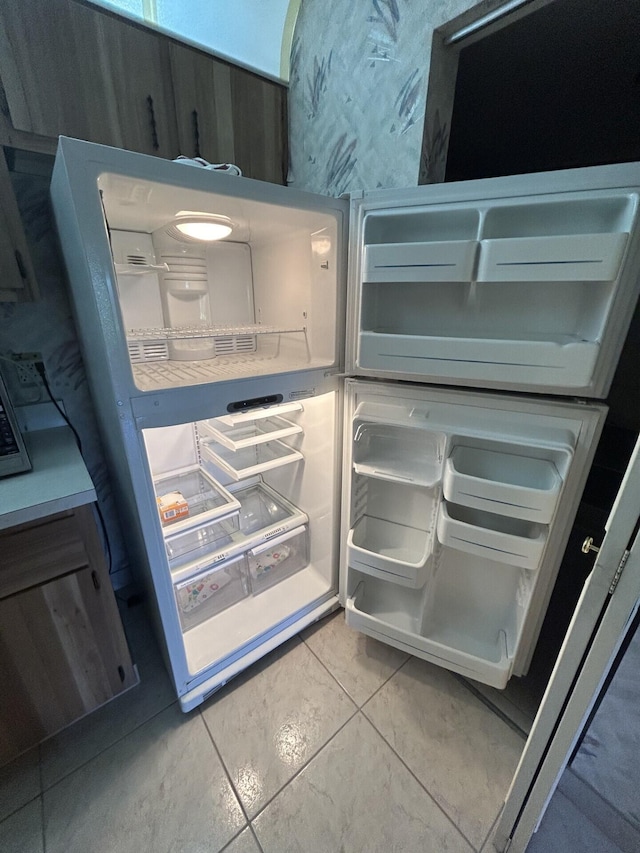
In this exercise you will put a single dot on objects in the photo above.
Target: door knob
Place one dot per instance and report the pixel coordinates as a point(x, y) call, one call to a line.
point(588, 545)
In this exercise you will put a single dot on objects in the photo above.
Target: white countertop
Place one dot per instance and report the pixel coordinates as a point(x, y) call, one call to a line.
point(58, 481)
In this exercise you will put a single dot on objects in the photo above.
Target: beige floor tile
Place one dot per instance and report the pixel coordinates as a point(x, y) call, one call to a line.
point(22, 832)
point(461, 752)
point(359, 663)
point(356, 795)
point(161, 789)
point(273, 720)
point(19, 782)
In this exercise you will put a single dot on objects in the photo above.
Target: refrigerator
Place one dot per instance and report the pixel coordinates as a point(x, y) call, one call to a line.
point(388, 402)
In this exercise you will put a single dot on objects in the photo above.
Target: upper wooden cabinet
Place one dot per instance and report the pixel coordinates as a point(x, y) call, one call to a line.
point(70, 69)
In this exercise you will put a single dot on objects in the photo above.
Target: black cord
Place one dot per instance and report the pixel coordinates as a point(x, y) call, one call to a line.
point(41, 371)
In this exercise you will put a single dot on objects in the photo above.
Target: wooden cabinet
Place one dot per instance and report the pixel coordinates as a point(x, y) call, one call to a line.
point(63, 651)
point(18, 281)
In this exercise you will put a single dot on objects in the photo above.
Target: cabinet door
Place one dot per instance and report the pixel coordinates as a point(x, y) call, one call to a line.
point(259, 126)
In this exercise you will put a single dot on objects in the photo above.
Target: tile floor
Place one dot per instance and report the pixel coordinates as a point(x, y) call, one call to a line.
point(334, 742)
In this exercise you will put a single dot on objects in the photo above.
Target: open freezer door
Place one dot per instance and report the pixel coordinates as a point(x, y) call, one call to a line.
point(608, 602)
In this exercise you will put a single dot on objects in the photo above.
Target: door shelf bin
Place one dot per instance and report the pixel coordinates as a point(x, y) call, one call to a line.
point(566, 362)
point(449, 260)
point(211, 591)
point(250, 460)
point(518, 486)
point(278, 559)
point(575, 257)
point(202, 542)
point(390, 551)
point(497, 537)
point(247, 434)
point(398, 453)
point(207, 499)
point(371, 611)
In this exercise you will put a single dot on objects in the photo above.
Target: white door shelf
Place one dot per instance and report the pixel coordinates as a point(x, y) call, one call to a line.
point(206, 499)
point(443, 261)
point(391, 551)
point(396, 619)
point(211, 591)
point(510, 540)
point(247, 434)
point(398, 453)
point(565, 361)
point(250, 461)
point(278, 559)
point(575, 257)
point(502, 482)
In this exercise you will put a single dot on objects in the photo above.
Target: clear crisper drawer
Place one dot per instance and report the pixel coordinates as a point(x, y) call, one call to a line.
point(497, 537)
point(205, 498)
point(240, 435)
point(264, 513)
point(250, 460)
point(211, 591)
point(398, 453)
point(278, 559)
point(204, 541)
point(520, 486)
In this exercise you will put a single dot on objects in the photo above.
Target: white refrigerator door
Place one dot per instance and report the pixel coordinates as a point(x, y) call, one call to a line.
point(456, 510)
point(523, 283)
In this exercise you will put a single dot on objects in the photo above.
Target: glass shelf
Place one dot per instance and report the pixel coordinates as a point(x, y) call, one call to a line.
point(206, 498)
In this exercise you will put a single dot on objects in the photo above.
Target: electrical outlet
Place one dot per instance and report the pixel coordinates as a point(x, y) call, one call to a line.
point(26, 372)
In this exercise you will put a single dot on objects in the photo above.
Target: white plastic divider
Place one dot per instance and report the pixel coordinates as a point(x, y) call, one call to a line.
point(510, 540)
point(439, 261)
point(502, 482)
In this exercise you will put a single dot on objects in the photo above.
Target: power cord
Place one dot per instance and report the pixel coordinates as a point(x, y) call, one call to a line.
point(39, 366)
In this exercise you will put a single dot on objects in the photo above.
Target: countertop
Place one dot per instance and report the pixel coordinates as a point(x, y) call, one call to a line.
point(58, 481)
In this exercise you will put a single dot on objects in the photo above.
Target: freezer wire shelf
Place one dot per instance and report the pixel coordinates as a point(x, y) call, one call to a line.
point(188, 332)
point(152, 376)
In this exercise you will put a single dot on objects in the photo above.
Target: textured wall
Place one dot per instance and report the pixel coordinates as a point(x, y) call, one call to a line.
point(359, 74)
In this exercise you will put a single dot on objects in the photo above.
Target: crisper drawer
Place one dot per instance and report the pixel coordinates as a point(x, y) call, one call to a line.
point(518, 486)
point(508, 540)
point(215, 538)
point(388, 550)
point(278, 559)
point(211, 591)
point(574, 257)
point(449, 260)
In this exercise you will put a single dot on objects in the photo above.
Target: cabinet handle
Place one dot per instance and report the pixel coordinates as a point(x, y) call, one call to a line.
point(152, 121)
point(196, 134)
point(20, 263)
point(121, 673)
point(95, 579)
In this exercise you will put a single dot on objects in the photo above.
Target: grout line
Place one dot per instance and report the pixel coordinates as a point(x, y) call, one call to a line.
point(493, 826)
point(493, 708)
point(333, 677)
point(225, 768)
point(256, 839)
point(424, 788)
point(109, 746)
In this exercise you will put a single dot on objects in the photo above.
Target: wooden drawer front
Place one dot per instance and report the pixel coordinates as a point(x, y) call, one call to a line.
point(40, 551)
point(62, 653)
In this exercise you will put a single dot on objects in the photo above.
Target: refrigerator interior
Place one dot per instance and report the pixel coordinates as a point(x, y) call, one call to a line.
point(261, 301)
point(454, 509)
point(522, 293)
point(248, 522)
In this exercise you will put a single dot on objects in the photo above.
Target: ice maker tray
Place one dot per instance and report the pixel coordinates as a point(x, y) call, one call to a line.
point(250, 460)
point(505, 483)
point(399, 453)
point(206, 498)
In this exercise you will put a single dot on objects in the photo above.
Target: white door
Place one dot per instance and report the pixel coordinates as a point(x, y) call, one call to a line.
point(609, 600)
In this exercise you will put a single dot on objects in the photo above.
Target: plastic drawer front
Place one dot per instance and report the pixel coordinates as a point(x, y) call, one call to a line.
point(278, 559)
point(450, 260)
point(211, 591)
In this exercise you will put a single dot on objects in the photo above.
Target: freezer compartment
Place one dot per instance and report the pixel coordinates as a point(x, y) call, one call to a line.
point(499, 480)
point(249, 461)
point(400, 453)
point(278, 559)
point(211, 591)
point(205, 498)
point(508, 540)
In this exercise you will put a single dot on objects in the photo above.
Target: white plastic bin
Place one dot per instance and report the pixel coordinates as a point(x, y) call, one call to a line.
point(450, 260)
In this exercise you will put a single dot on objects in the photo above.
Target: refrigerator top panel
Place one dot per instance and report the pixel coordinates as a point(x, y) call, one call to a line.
point(523, 283)
point(183, 276)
